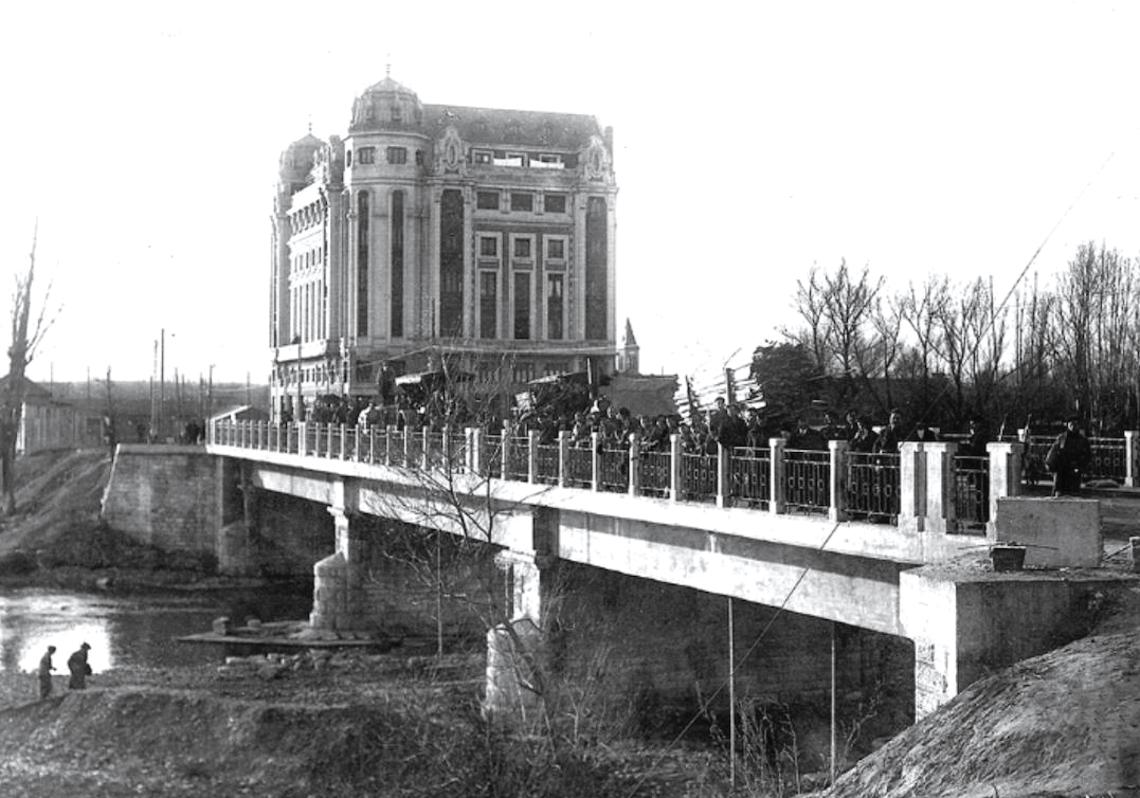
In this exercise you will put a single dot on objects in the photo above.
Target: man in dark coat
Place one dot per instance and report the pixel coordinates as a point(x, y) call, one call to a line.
point(80, 670)
point(1070, 455)
point(45, 672)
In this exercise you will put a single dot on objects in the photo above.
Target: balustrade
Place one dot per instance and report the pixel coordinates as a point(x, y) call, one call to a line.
point(839, 483)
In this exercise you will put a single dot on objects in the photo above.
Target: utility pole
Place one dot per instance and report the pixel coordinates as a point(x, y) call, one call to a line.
point(248, 391)
point(210, 394)
point(162, 383)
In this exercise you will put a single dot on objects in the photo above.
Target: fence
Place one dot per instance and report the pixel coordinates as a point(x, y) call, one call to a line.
point(842, 484)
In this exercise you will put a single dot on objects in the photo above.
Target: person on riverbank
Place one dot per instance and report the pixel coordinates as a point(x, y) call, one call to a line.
point(80, 670)
point(45, 672)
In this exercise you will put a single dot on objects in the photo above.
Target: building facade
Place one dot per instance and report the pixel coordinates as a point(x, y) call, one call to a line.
point(432, 235)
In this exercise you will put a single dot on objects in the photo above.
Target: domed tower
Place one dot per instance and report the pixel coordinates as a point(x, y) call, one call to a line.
point(384, 157)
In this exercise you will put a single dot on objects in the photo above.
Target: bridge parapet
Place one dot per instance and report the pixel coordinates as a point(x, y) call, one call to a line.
point(925, 487)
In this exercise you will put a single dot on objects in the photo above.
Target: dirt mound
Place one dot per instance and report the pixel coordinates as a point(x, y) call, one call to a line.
point(1066, 723)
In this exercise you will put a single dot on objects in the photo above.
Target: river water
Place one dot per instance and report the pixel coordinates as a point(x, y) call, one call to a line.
point(137, 629)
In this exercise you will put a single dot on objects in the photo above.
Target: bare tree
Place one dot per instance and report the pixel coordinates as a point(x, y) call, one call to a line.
point(26, 337)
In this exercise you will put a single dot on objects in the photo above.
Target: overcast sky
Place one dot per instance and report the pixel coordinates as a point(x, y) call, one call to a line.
point(753, 140)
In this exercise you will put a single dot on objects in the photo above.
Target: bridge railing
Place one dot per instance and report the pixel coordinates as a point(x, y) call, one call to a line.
point(843, 485)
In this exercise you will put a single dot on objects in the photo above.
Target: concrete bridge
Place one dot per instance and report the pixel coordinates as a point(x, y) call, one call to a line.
point(891, 546)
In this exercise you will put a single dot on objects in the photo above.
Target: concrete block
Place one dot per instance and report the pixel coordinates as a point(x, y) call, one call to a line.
point(1060, 532)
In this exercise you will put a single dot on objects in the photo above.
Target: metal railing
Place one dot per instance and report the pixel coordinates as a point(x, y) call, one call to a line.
point(807, 477)
point(972, 491)
point(749, 474)
point(743, 476)
point(873, 482)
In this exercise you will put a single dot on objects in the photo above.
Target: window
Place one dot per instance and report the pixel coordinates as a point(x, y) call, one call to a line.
point(366, 155)
point(488, 247)
point(522, 248)
point(555, 249)
point(419, 157)
point(522, 305)
point(348, 157)
point(555, 304)
point(488, 304)
point(554, 203)
point(521, 201)
point(482, 156)
point(397, 155)
point(487, 200)
point(397, 115)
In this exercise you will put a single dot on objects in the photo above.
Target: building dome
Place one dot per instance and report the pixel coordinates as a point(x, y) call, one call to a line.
point(387, 105)
point(297, 159)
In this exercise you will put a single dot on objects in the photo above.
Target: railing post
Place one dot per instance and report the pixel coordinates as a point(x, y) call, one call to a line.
point(779, 491)
point(941, 487)
point(1005, 477)
point(532, 456)
point(676, 489)
point(837, 509)
point(1130, 454)
point(388, 444)
point(563, 456)
point(343, 441)
point(634, 464)
point(505, 454)
point(445, 444)
point(475, 450)
point(595, 461)
point(302, 442)
point(912, 487)
point(425, 447)
point(723, 490)
point(356, 443)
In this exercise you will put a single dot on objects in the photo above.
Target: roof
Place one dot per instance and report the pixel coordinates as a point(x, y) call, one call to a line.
point(33, 391)
point(499, 126)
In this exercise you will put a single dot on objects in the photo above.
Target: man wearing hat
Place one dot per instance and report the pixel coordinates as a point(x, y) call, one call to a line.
point(80, 670)
point(45, 672)
point(1069, 455)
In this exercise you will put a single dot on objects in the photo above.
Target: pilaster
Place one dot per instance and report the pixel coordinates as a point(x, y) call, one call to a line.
point(941, 516)
point(912, 487)
point(1005, 477)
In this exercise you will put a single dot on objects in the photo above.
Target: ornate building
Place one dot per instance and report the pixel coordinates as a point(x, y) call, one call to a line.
point(478, 237)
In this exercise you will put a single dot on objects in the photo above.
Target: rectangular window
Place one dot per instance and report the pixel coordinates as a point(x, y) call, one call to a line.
point(482, 156)
point(487, 200)
point(397, 114)
point(522, 248)
point(555, 302)
point(546, 161)
point(397, 155)
point(488, 304)
point(366, 155)
point(522, 306)
point(555, 249)
point(348, 157)
point(554, 203)
point(488, 246)
point(522, 201)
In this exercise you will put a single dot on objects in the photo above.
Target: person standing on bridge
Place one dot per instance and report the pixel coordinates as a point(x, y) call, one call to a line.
point(1068, 457)
point(45, 672)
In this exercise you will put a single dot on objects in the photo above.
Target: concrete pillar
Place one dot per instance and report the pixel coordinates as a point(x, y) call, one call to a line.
point(634, 464)
point(301, 438)
point(563, 456)
point(1131, 465)
point(776, 502)
point(723, 481)
point(838, 509)
point(515, 649)
point(912, 487)
point(941, 490)
point(1005, 477)
point(675, 486)
point(339, 603)
point(595, 461)
point(504, 455)
point(532, 456)
point(391, 433)
point(475, 450)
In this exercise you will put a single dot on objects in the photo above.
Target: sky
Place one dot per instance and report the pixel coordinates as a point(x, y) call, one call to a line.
point(753, 141)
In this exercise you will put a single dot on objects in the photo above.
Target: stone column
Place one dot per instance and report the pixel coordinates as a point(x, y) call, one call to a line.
point(778, 497)
point(1130, 458)
point(723, 481)
point(595, 461)
point(634, 486)
point(838, 509)
point(912, 487)
point(338, 582)
point(475, 450)
point(563, 456)
point(515, 649)
point(675, 486)
point(1005, 478)
point(532, 456)
point(941, 513)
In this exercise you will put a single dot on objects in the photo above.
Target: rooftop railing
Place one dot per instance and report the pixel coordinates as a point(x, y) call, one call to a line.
point(836, 483)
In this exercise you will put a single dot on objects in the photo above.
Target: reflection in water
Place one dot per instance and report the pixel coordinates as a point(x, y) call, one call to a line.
point(130, 630)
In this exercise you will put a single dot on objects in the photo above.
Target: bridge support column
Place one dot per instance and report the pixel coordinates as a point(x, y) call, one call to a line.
point(516, 649)
point(339, 597)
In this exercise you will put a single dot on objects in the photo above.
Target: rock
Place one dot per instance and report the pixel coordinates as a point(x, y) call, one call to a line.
point(221, 626)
